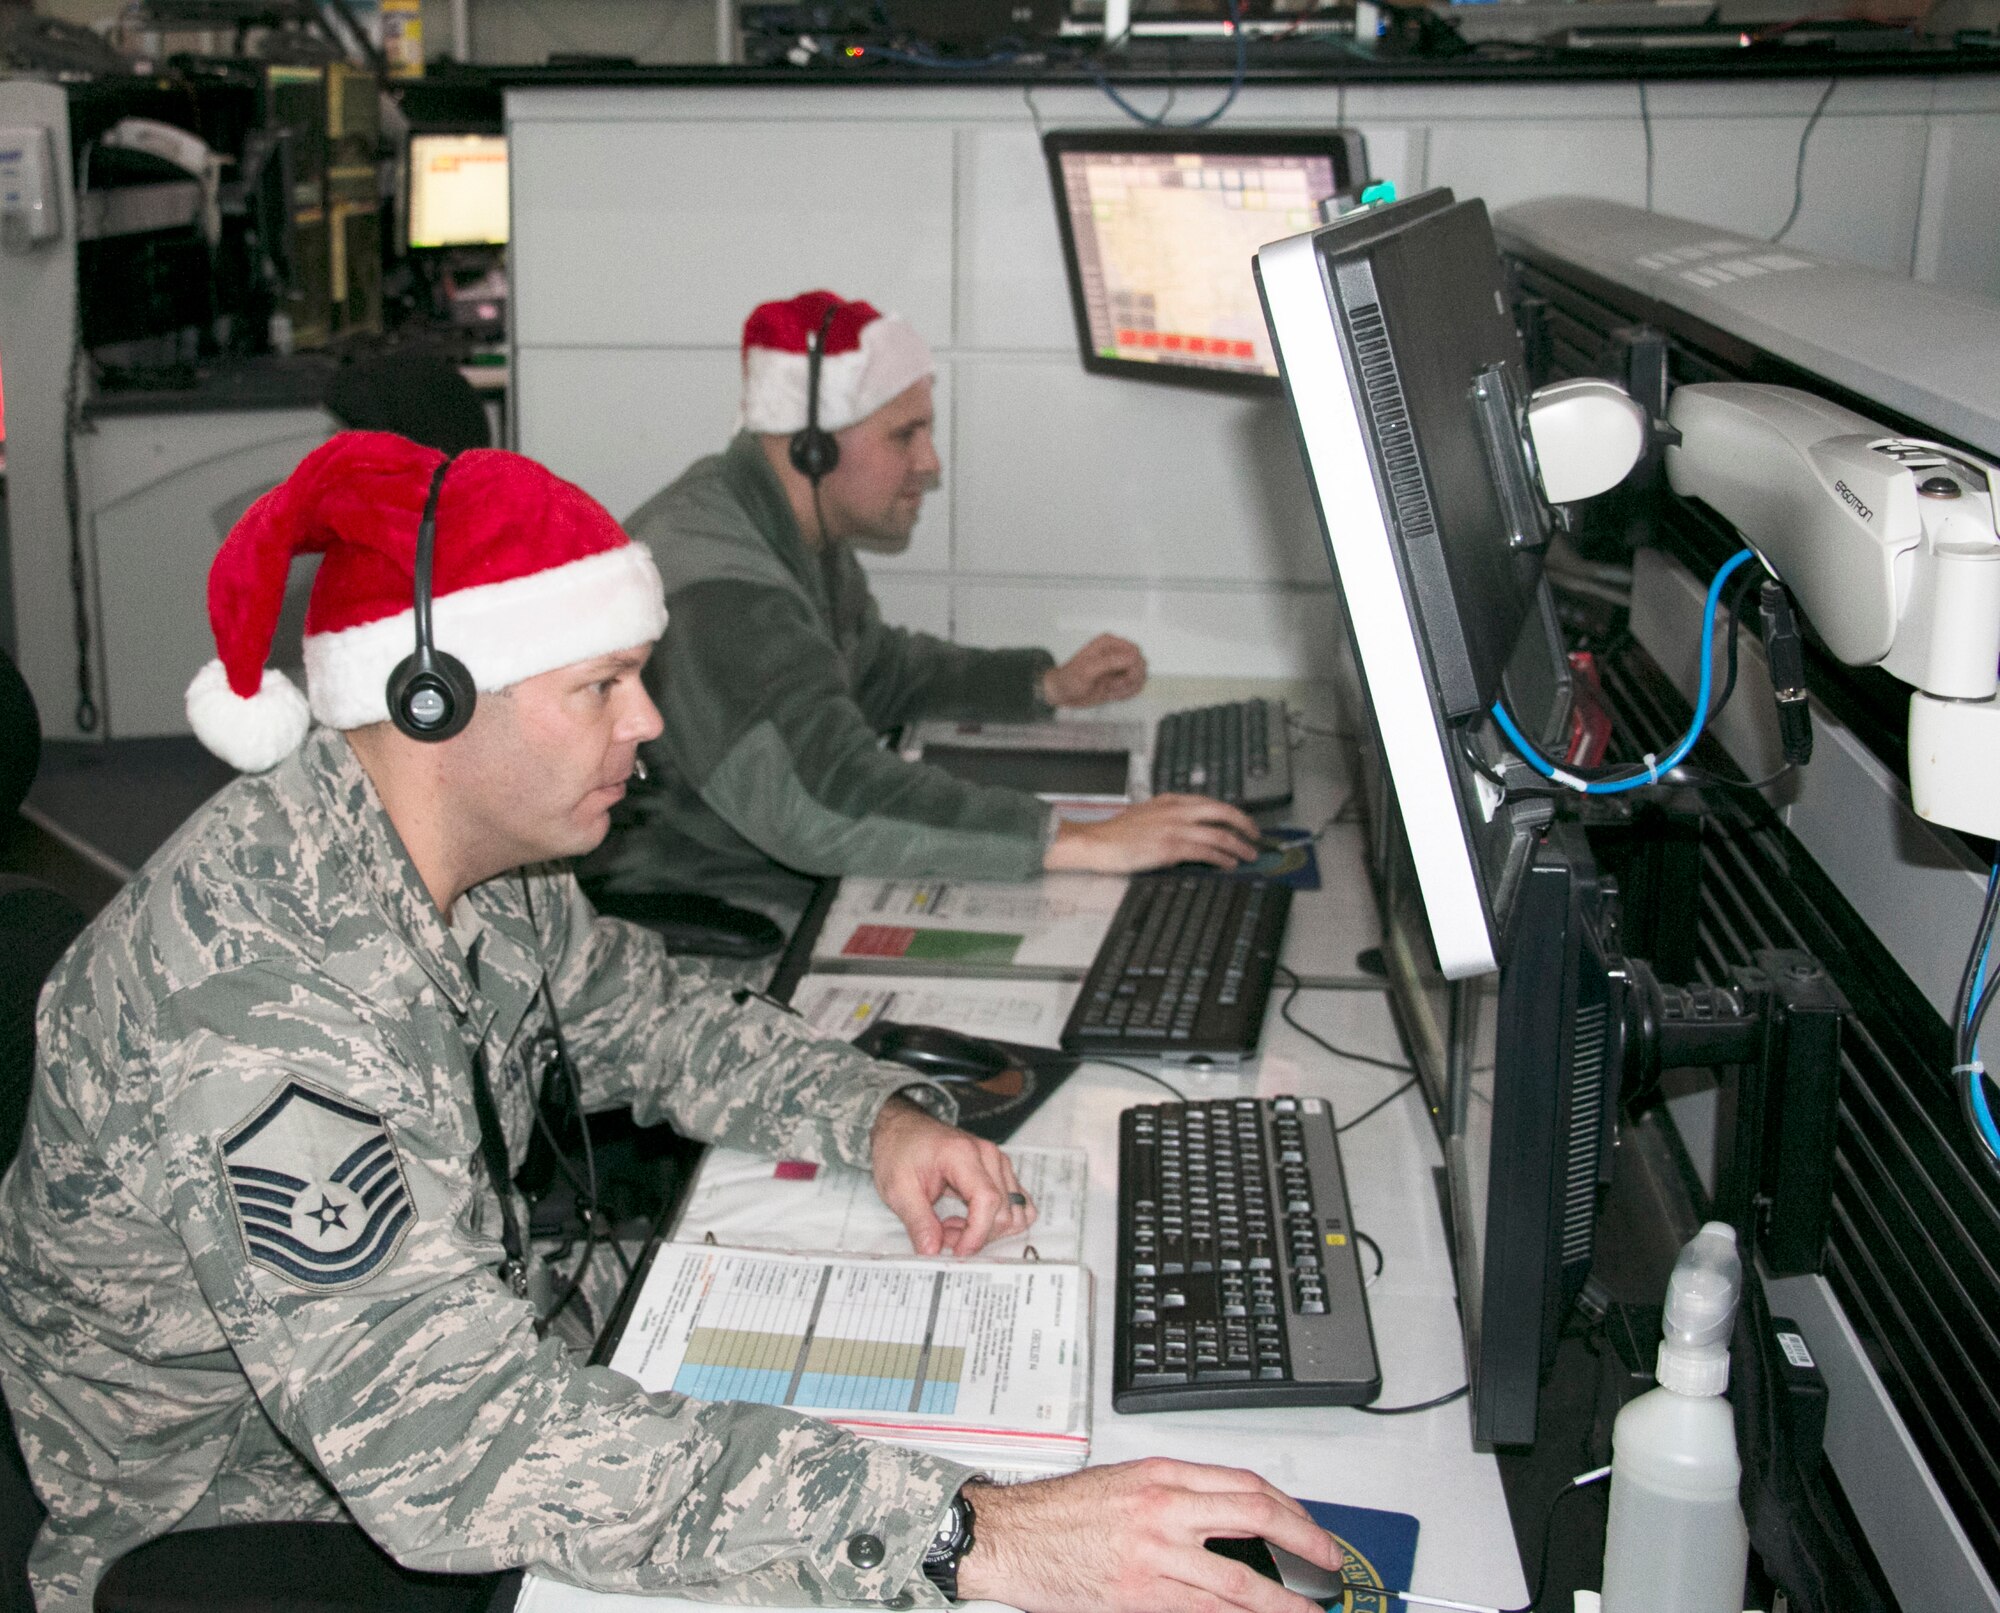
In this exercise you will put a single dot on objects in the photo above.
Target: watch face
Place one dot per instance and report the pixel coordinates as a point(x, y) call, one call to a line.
point(951, 1542)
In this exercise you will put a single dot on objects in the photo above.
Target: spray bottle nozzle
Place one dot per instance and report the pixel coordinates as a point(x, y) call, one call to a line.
point(1701, 1309)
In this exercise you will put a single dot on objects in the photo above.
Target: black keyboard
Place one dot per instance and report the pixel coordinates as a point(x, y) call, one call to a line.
point(1238, 1282)
point(1185, 970)
point(1239, 753)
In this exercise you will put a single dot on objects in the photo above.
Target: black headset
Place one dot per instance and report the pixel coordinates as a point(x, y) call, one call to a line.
point(431, 695)
point(813, 450)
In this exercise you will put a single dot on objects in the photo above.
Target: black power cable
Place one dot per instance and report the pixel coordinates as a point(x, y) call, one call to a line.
point(1133, 1069)
point(1375, 1107)
point(1646, 124)
point(1459, 1393)
point(1799, 173)
point(1581, 1482)
point(1313, 1036)
point(585, 1190)
point(1158, 120)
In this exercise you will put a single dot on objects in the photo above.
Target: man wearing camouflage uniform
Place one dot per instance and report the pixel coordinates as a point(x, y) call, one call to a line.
point(248, 1250)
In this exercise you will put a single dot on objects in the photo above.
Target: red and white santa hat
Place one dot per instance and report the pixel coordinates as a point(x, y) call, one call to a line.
point(528, 574)
point(869, 357)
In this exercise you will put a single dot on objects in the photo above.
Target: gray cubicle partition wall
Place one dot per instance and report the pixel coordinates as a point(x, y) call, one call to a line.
point(160, 493)
point(37, 319)
point(648, 220)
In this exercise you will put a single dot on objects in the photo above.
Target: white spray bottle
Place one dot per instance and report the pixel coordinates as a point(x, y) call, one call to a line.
point(1676, 1541)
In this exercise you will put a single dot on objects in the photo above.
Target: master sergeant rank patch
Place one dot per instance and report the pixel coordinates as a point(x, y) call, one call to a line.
point(319, 1193)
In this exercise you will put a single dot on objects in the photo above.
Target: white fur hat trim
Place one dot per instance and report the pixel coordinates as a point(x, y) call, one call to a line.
point(891, 359)
point(251, 735)
point(502, 631)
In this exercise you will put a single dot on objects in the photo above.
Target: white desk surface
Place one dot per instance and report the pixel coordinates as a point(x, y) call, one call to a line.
point(1424, 1464)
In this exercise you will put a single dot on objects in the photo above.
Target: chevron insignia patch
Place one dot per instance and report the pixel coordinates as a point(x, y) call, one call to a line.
point(319, 1193)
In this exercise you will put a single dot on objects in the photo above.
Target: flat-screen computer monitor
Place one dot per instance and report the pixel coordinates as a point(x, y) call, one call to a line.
point(1158, 232)
point(1387, 324)
point(1404, 375)
point(458, 190)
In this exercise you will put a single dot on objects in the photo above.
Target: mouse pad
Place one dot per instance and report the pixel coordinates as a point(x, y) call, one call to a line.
point(994, 1108)
point(1288, 857)
point(1381, 1549)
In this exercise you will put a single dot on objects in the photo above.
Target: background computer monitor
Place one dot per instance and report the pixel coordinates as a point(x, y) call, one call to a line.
point(1499, 935)
point(1158, 232)
point(458, 190)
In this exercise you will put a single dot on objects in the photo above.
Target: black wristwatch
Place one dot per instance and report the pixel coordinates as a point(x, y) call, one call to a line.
point(949, 1546)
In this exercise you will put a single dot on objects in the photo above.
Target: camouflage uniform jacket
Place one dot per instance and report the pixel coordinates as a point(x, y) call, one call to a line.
point(247, 1251)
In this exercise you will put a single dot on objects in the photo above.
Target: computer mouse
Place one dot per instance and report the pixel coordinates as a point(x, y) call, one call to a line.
point(1322, 1585)
point(931, 1050)
point(1314, 1583)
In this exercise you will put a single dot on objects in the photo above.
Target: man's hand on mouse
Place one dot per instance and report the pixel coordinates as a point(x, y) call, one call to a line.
point(1157, 833)
point(917, 1159)
point(1129, 1538)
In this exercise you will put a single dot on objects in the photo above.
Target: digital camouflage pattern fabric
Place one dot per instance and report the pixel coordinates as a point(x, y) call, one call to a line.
point(247, 1250)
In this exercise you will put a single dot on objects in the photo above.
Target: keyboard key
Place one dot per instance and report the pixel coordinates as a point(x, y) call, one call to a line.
point(1157, 1378)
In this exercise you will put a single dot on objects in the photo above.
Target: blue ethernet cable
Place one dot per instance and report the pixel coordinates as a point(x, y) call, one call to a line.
point(1654, 768)
point(1975, 1068)
point(1236, 81)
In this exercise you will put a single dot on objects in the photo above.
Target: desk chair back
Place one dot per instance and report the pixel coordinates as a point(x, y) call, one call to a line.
point(20, 738)
point(37, 925)
point(415, 393)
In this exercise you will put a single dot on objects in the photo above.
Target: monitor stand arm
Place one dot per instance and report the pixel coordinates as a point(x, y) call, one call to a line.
point(1776, 1024)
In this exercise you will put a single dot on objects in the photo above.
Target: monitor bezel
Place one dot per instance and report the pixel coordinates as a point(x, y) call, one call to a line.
point(1350, 168)
point(410, 188)
point(1414, 738)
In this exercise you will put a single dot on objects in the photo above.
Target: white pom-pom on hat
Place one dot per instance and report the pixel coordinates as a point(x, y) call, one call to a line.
point(252, 735)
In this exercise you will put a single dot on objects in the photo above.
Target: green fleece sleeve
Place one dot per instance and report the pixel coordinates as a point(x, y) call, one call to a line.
point(903, 675)
point(760, 721)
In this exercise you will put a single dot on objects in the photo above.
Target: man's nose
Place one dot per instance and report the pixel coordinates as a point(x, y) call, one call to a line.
point(642, 720)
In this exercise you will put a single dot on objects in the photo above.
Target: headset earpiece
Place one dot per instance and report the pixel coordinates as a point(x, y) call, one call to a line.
point(814, 453)
point(430, 694)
